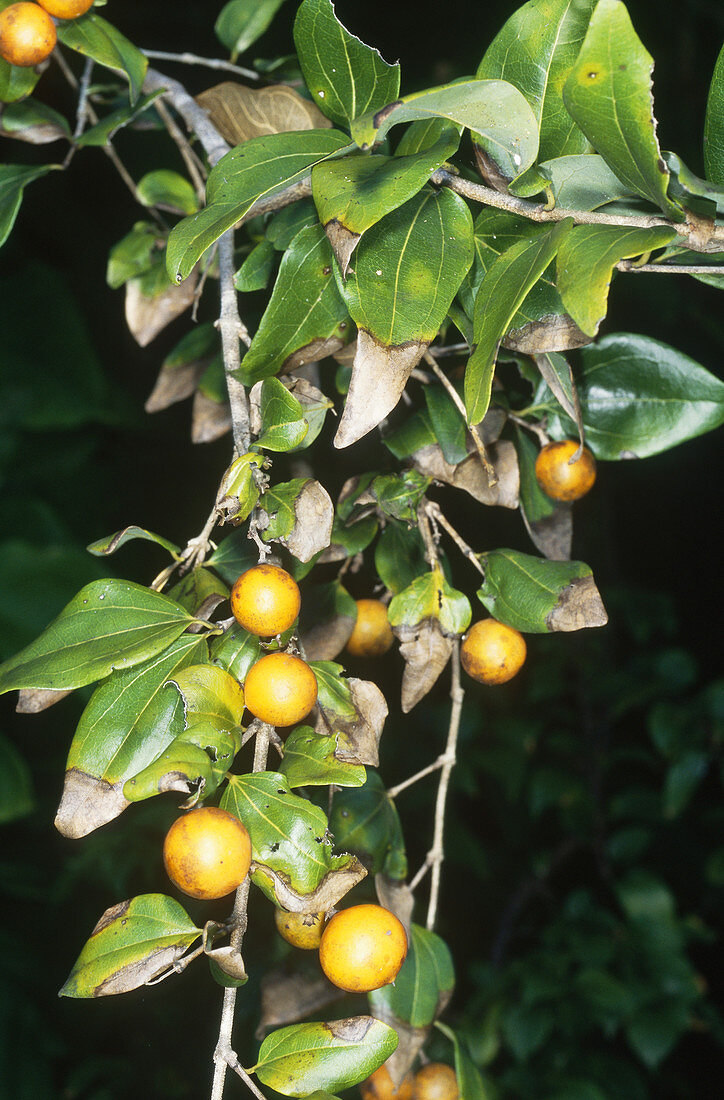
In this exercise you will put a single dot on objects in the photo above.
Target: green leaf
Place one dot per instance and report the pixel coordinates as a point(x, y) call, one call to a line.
point(132, 943)
point(470, 1083)
point(195, 763)
point(408, 267)
point(692, 192)
point(305, 314)
point(232, 556)
point(109, 625)
point(334, 694)
point(288, 833)
point(305, 1058)
point(195, 587)
point(311, 758)
point(537, 596)
point(16, 83)
point(109, 545)
point(585, 263)
point(431, 597)
point(583, 182)
point(358, 191)
point(399, 495)
point(400, 557)
point(414, 434)
point(654, 1033)
point(257, 169)
point(423, 135)
point(714, 124)
point(365, 821)
point(241, 22)
point(640, 397)
point(345, 77)
point(13, 179)
point(134, 255)
point(423, 984)
point(278, 503)
point(498, 116)
point(682, 779)
point(536, 504)
point(609, 95)
point(501, 294)
point(255, 272)
point(94, 37)
point(100, 134)
point(16, 785)
point(283, 226)
point(166, 188)
point(210, 694)
point(535, 51)
point(283, 425)
point(448, 424)
point(236, 650)
point(34, 116)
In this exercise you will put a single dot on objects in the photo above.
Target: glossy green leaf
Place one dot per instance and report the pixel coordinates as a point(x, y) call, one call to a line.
point(132, 943)
point(241, 22)
point(288, 833)
point(101, 133)
point(133, 255)
point(416, 432)
point(334, 694)
point(358, 191)
point(448, 424)
point(109, 545)
point(608, 94)
point(583, 182)
point(197, 586)
point(232, 556)
point(209, 694)
point(94, 37)
point(714, 124)
point(345, 77)
point(311, 758)
point(408, 267)
point(538, 596)
point(498, 116)
point(305, 313)
point(398, 495)
point(500, 296)
point(282, 227)
point(254, 170)
point(13, 180)
point(691, 192)
point(36, 117)
point(169, 189)
point(16, 83)
point(283, 424)
point(16, 785)
point(585, 263)
point(535, 51)
point(431, 597)
point(353, 537)
point(422, 135)
point(365, 821)
point(400, 556)
point(423, 984)
point(470, 1083)
point(236, 651)
point(639, 397)
point(109, 625)
point(278, 503)
point(195, 762)
point(256, 270)
point(305, 1058)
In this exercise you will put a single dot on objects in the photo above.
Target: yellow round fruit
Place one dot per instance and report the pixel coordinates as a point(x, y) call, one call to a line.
point(280, 689)
point(561, 478)
point(379, 1086)
point(66, 9)
point(372, 635)
point(300, 929)
point(207, 853)
point(492, 652)
point(362, 948)
point(265, 600)
point(27, 35)
point(435, 1081)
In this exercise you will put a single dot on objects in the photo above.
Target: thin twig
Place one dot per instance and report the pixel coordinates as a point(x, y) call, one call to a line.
point(439, 763)
point(472, 428)
point(672, 269)
point(415, 882)
point(82, 108)
point(423, 524)
point(437, 853)
point(234, 1063)
point(192, 162)
point(232, 331)
point(435, 513)
point(206, 62)
point(540, 433)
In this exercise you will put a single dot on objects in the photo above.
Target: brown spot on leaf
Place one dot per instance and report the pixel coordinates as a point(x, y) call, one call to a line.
point(111, 915)
point(343, 243)
point(384, 113)
point(209, 419)
point(553, 332)
point(33, 700)
point(470, 475)
point(351, 1030)
point(146, 315)
point(579, 606)
point(139, 973)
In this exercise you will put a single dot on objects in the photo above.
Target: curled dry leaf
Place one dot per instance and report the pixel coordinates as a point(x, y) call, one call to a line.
point(579, 606)
point(362, 733)
point(343, 243)
point(229, 960)
point(209, 419)
point(147, 316)
point(333, 886)
point(411, 1041)
point(397, 897)
point(33, 700)
point(379, 375)
point(553, 332)
point(492, 424)
point(326, 640)
point(39, 133)
point(313, 518)
point(470, 474)
point(240, 113)
point(287, 998)
point(553, 534)
point(426, 651)
point(87, 803)
point(174, 384)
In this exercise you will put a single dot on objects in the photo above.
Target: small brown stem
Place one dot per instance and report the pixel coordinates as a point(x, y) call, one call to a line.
point(439, 763)
point(540, 433)
point(672, 269)
point(205, 62)
point(192, 162)
point(472, 428)
point(437, 853)
point(423, 524)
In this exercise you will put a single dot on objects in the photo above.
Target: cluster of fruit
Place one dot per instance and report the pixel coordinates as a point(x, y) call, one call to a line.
point(435, 1081)
point(27, 30)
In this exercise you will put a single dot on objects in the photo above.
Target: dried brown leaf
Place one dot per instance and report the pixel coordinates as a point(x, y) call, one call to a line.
point(379, 375)
point(343, 243)
point(470, 474)
point(331, 889)
point(209, 419)
point(579, 606)
point(313, 517)
point(229, 960)
point(139, 973)
point(33, 700)
point(426, 651)
point(87, 803)
point(287, 998)
point(554, 332)
point(397, 897)
point(147, 316)
point(311, 353)
point(240, 113)
point(363, 732)
point(40, 133)
point(553, 535)
point(411, 1041)
point(174, 384)
point(492, 424)
point(326, 640)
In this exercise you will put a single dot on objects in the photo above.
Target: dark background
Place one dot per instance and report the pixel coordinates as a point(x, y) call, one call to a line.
point(80, 459)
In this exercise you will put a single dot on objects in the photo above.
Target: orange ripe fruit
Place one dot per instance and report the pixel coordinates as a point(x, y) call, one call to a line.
point(492, 652)
point(379, 1086)
point(280, 689)
point(27, 35)
point(362, 948)
point(435, 1081)
point(265, 600)
point(66, 9)
point(300, 929)
point(207, 853)
point(560, 478)
point(372, 635)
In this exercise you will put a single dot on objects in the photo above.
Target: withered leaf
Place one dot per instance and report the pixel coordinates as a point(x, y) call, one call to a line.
point(313, 518)
point(146, 316)
point(240, 113)
point(332, 888)
point(209, 419)
point(554, 332)
point(579, 606)
point(470, 474)
point(174, 384)
point(492, 424)
point(379, 375)
point(343, 243)
point(326, 640)
point(397, 897)
point(287, 998)
point(426, 651)
point(87, 803)
point(553, 534)
point(33, 700)
point(411, 1041)
point(362, 732)
point(229, 960)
